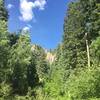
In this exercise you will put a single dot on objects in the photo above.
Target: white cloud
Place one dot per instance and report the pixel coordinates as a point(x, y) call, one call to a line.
point(9, 6)
point(39, 4)
point(26, 8)
point(27, 28)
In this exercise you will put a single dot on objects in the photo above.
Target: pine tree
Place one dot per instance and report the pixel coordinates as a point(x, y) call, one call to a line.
point(42, 66)
point(83, 17)
point(3, 11)
point(32, 75)
point(13, 37)
point(4, 42)
point(19, 62)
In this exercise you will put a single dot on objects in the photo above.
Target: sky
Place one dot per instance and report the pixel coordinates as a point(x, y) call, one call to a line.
point(43, 18)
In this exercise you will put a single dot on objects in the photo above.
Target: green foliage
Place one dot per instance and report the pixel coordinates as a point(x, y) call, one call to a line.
point(32, 76)
point(26, 75)
point(4, 43)
point(70, 77)
point(13, 38)
point(5, 91)
point(3, 11)
point(84, 84)
point(19, 61)
point(42, 67)
point(95, 51)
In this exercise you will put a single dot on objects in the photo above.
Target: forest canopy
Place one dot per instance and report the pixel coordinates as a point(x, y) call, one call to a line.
point(70, 72)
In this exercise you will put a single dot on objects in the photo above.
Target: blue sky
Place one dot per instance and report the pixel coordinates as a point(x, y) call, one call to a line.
point(43, 18)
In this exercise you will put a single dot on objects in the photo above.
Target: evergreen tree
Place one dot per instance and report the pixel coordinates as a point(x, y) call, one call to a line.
point(42, 66)
point(32, 75)
point(82, 17)
point(19, 62)
point(13, 37)
point(4, 42)
point(3, 11)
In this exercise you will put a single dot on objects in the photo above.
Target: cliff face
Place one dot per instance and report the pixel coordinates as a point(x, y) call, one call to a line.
point(49, 56)
point(33, 48)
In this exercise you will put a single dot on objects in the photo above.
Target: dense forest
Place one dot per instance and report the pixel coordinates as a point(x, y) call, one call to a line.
point(74, 71)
